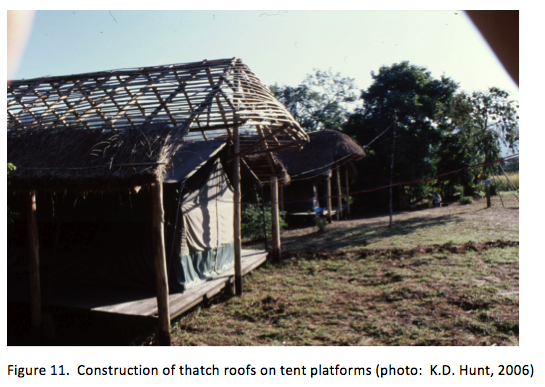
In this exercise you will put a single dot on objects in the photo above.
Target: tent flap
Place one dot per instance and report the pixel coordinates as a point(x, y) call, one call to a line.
point(207, 238)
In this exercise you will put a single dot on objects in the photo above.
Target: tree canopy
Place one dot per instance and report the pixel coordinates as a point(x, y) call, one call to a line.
point(321, 101)
point(438, 129)
point(411, 95)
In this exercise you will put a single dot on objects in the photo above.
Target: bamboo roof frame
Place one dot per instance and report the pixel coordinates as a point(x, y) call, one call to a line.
point(203, 100)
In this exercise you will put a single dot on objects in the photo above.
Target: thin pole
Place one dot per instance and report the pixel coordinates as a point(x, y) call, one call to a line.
point(276, 247)
point(488, 201)
point(237, 214)
point(392, 169)
point(328, 194)
point(497, 188)
point(339, 197)
point(35, 292)
point(159, 258)
point(507, 177)
point(347, 194)
point(264, 218)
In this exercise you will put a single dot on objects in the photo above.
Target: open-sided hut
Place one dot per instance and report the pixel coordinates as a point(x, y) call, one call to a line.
point(97, 132)
point(329, 156)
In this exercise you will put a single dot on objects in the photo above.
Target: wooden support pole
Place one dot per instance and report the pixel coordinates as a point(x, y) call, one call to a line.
point(347, 194)
point(35, 292)
point(275, 216)
point(237, 214)
point(328, 196)
point(392, 170)
point(159, 258)
point(339, 197)
point(488, 200)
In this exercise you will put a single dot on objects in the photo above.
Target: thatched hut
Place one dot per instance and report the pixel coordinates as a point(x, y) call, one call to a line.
point(97, 132)
point(328, 156)
point(94, 209)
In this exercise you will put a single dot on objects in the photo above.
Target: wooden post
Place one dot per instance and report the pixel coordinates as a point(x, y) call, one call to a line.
point(159, 258)
point(339, 194)
point(35, 292)
point(347, 194)
point(237, 214)
point(488, 201)
point(315, 200)
point(276, 247)
point(328, 196)
point(392, 170)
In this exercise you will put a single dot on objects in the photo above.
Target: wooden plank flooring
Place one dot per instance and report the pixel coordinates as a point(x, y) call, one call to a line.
point(144, 303)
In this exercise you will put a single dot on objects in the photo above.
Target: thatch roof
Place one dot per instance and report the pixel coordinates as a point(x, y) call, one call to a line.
point(261, 166)
point(208, 98)
point(203, 100)
point(90, 159)
point(327, 149)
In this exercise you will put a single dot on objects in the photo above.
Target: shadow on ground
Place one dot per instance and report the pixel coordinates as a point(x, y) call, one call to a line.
point(360, 235)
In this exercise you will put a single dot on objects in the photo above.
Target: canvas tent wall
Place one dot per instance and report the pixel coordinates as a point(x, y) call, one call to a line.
point(203, 236)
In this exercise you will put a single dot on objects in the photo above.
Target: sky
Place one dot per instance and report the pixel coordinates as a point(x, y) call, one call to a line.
point(279, 46)
point(282, 47)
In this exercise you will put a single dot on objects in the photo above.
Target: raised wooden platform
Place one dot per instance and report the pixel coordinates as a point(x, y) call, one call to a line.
point(133, 301)
point(310, 213)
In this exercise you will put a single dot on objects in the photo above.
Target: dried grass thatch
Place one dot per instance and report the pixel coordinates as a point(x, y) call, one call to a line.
point(327, 149)
point(259, 165)
point(204, 100)
point(85, 160)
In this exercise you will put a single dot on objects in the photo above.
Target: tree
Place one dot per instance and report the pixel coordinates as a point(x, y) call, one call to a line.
point(411, 94)
point(322, 101)
point(489, 119)
point(474, 127)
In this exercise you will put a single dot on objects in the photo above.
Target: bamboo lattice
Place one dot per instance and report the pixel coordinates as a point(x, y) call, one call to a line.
point(206, 98)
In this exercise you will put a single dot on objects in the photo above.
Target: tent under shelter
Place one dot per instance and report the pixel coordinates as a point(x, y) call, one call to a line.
point(129, 143)
point(329, 156)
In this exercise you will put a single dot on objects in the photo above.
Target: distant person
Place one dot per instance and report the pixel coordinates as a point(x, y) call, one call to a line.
point(436, 200)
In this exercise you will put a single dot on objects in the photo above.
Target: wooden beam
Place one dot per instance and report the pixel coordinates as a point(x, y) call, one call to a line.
point(347, 193)
point(237, 214)
point(328, 196)
point(262, 140)
point(35, 292)
point(159, 258)
point(275, 216)
point(275, 149)
point(339, 196)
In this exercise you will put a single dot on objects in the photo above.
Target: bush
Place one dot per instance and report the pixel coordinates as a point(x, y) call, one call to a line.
point(252, 221)
point(320, 222)
point(465, 200)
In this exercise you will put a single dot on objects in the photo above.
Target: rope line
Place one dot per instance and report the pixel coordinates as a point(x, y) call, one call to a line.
point(507, 158)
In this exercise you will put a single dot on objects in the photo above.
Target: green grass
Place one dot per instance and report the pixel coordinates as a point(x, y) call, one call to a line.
point(455, 299)
point(362, 283)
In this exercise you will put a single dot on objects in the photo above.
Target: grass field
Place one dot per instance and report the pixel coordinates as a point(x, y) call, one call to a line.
point(442, 276)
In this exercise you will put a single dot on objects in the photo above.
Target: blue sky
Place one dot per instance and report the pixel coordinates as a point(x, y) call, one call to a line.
point(279, 46)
